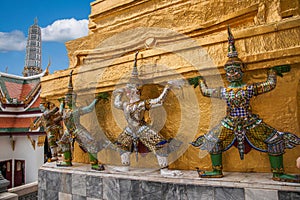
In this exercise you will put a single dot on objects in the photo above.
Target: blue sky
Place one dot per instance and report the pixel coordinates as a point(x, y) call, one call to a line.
point(54, 17)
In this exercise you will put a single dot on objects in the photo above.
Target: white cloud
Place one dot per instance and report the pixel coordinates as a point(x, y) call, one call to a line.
point(59, 31)
point(12, 41)
point(65, 29)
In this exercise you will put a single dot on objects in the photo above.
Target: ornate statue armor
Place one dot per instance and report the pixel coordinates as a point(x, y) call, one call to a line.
point(138, 136)
point(51, 120)
point(138, 133)
point(75, 131)
point(241, 127)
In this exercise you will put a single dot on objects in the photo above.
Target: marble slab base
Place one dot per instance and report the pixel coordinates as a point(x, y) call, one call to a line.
point(82, 183)
point(8, 196)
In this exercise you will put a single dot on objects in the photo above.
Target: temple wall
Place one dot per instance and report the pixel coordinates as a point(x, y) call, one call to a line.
point(181, 39)
point(23, 151)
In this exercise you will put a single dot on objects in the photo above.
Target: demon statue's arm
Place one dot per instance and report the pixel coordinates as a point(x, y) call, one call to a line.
point(270, 83)
point(208, 92)
point(152, 103)
point(118, 94)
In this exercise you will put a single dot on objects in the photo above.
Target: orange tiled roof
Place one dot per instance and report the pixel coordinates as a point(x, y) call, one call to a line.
point(14, 122)
point(36, 104)
point(18, 126)
point(17, 93)
point(19, 90)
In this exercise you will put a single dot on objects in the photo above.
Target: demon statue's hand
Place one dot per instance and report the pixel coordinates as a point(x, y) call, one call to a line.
point(176, 83)
point(61, 100)
point(195, 81)
point(280, 69)
point(118, 91)
point(102, 95)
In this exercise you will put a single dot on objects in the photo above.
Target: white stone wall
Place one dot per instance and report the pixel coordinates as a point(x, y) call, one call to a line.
point(23, 151)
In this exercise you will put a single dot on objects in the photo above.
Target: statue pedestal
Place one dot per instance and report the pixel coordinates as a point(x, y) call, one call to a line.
point(80, 182)
point(3, 184)
point(8, 196)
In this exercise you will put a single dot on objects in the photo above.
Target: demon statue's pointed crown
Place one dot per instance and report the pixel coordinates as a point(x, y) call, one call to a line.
point(134, 81)
point(70, 93)
point(233, 59)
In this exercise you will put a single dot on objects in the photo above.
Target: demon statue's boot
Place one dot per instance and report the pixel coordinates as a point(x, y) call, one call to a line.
point(164, 168)
point(67, 160)
point(278, 170)
point(95, 163)
point(216, 160)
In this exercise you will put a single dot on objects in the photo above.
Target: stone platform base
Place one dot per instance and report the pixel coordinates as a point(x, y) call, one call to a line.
point(8, 196)
point(80, 182)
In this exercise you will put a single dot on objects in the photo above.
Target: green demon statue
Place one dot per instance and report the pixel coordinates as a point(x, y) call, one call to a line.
point(241, 127)
point(76, 131)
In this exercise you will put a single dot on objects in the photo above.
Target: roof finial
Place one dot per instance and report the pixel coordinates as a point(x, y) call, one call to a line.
point(35, 21)
point(47, 68)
